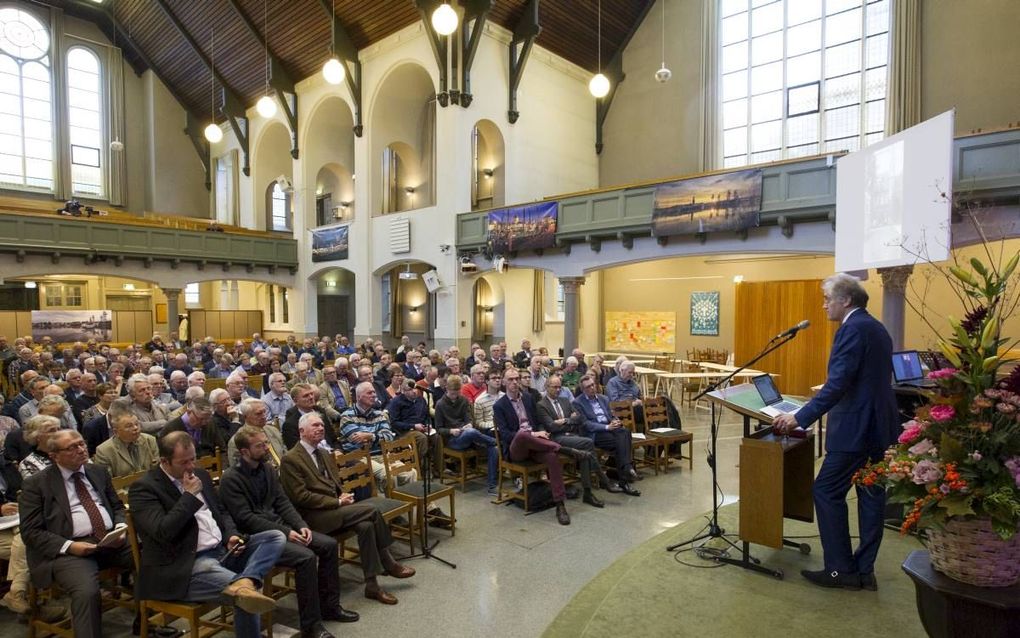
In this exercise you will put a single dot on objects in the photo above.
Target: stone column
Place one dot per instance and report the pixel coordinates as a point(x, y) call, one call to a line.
point(571, 305)
point(894, 287)
point(172, 297)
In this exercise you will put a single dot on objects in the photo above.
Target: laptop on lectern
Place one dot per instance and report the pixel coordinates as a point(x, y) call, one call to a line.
point(770, 395)
point(907, 370)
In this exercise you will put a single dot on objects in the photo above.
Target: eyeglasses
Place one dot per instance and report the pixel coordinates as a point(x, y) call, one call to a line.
point(80, 445)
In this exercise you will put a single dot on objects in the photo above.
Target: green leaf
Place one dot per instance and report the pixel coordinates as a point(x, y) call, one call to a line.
point(958, 505)
point(951, 450)
point(1005, 530)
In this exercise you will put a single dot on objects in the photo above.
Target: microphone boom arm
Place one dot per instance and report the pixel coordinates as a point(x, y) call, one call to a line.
point(776, 343)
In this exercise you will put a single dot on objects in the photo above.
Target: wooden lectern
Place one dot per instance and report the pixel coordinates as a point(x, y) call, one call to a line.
point(776, 473)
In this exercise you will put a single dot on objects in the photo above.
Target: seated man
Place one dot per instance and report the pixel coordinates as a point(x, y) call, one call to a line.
point(130, 450)
point(225, 416)
point(65, 510)
point(481, 410)
point(623, 387)
point(152, 416)
point(197, 422)
point(409, 417)
point(515, 418)
point(252, 494)
point(558, 417)
point(304, 401)
point(309, 479)
point(453, 421)
point(278, 399)
point(255, 415)
point(191, 550)
point(607, 432)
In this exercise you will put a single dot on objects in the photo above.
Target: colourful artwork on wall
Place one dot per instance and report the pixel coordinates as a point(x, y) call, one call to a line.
point(640, 331)
point(705, 313)
point(728, 201)
point(523, 227)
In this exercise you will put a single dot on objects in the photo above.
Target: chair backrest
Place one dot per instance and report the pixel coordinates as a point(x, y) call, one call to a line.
point(255, 383)
point(399, 457)
point(656, 414)
point(354, 470)
point(624, 410)
point(212, 464)
point(663, 362)
point(132, 534)
point(122, 483)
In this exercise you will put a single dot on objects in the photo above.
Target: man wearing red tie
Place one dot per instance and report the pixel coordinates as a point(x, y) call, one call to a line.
point(66, 509)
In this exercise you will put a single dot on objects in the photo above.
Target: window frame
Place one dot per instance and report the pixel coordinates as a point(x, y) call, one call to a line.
point(104, 135)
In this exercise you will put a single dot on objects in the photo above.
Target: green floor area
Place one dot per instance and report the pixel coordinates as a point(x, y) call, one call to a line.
point(647, 592)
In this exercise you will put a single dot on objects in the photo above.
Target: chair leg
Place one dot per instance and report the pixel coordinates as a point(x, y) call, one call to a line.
point(196, 623)
point(453, 516)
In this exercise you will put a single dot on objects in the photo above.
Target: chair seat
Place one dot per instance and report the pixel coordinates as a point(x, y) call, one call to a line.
point(673, 432)
point(417, 489)
point(383, 504)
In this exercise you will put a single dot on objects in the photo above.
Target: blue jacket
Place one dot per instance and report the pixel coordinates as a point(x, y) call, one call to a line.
point(857, 394)
point(507, 423)
point(583, 406)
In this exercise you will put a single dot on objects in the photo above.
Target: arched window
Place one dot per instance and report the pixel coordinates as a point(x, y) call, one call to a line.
point(279, 209)
point(85, 122)
point(26, 125)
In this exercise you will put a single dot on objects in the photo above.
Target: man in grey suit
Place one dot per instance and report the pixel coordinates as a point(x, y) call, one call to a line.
point(66, 509)
point(558, 417)
point(129, 450)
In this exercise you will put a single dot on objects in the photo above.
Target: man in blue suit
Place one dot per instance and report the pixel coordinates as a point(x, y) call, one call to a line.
point(862, 423)
point(607, 432)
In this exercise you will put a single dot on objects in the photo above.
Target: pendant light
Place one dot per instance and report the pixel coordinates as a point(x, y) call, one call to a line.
point(663, 74)
point(116, 145)
point(213, 132)
point(266, 106)
point(333, 70)
point(444, 19)
point(599, 84)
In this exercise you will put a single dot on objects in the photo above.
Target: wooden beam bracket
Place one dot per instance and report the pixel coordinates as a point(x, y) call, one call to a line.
point(616, 75)
point(525, 33)
point(195, 131)
point(476, 12)
point(440, 48)
point(347, 53)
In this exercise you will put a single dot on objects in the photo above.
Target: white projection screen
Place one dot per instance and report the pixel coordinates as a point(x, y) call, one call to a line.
point(893, 199)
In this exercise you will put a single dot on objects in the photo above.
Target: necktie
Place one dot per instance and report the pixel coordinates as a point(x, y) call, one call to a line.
point(133, 452)
point(559, 410)
point(95, 517)
point(275, 457)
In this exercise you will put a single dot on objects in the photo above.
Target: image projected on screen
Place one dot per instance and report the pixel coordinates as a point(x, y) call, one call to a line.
point(893, 199)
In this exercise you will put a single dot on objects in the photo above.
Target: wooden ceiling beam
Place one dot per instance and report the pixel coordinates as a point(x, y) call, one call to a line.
point(440, 47)
point(525, 33)
point(475, 14)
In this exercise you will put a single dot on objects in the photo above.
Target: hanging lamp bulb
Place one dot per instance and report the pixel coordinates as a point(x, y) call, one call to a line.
point(663, 74)
point(266, 106)
point(599, 85)
point(116, 146)
point(444, 19)
point(333, 71)
point(213, 133)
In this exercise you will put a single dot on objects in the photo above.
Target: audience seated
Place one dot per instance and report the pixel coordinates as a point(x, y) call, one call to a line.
point(454, 422)
point(197, 422)
point(129, 450)
point(623, 387)
point(304, 399)
point(607, 432)
point(152, 417)
point(309, 479)
point(254, 414)
point(409, 417)
point(191, 549)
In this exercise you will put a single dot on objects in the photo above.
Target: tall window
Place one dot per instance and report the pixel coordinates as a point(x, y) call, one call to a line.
point(801, 77)
point(191, 295)
point(272, 303)
point(26, 126)
point(85, 120)
point(279, 208)
point(285, 306)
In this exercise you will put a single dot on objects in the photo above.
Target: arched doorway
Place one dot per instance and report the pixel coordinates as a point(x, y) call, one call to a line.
point(408, 308)
point(335, 299)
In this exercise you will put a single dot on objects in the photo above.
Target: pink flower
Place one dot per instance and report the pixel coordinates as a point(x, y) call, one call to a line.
point(944, 373)
point(942, 412)
point(922, 447)
point(1005, 408)
point(927, 472)
point(975, 456)
point(911, 430)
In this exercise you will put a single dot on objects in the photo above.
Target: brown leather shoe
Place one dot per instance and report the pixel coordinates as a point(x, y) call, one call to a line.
point(561, 514)
point(248, 597)
point(382, 596)
point(400, 571)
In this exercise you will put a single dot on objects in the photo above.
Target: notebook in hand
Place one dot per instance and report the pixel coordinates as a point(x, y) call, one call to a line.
point(769, 393)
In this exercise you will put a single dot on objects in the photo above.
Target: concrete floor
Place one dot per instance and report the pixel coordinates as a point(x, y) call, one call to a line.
point(515, 572)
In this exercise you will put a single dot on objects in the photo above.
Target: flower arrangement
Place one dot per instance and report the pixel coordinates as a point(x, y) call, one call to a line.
point(960, 455)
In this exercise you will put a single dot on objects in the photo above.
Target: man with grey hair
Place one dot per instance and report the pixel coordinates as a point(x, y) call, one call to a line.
point(178, 384)
point(278, 399)
point(152, 416)
point(129, 450)
point(255, 414)
point(197, 421)
point(53, 405)
point(863, 422)
point(196, 378)
point(225, 416)
point(37, 390)
point(157, 383)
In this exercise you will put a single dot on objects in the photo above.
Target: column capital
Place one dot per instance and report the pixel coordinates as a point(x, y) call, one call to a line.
point(894, 279)
point(171, 292)
point(571, 284)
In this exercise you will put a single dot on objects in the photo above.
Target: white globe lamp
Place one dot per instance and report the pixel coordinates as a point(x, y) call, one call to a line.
point(333, 71)
point(662, 75)
point(444, 19)
point(599, 85)
point(266, 106)
point(213, 133)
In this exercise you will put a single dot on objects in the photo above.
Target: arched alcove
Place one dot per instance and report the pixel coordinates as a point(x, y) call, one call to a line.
point(272, 159)
point(488, 161)
point(402, 129)
point(407, 307)
point(328, 158)
point(335, 301)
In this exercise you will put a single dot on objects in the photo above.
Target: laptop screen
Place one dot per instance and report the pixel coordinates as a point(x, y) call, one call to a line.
point(906, 366)
point(767, 389)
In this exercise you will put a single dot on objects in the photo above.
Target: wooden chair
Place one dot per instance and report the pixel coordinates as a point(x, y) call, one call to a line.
point(122, 483)
point(524, 469)
point(166, 610)
point(255, 383)
point(113, 595)
point(401, 456)
point(663, 362)
point(468, 464)
point(624, 410)
point(354, 470)
point(211, 383)
point(657, 417)
point(212, 464)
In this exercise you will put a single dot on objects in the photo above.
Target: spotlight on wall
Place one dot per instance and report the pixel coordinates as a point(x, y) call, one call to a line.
point(414, 308)
point(409, 190)
point(487, 172)
point(129, 286)
point(30, 284)
point(738, 278)
point(330, 284)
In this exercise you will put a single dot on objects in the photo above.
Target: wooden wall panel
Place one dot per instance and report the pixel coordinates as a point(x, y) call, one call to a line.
point(9, 326)
point(225, 325)
point(766, 308)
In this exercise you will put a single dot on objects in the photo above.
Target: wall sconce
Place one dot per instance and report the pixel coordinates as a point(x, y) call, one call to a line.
point(409, 190)
point(414, 309)
point(487, 172)
point(738, 278)
point(30, 284)
point(346, 205)
point(487, 309)
point(129, 286)
point(330, 284)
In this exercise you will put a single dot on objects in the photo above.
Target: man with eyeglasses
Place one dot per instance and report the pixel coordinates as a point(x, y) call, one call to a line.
point(607, 432)
point(515, 418)
point(66, 510)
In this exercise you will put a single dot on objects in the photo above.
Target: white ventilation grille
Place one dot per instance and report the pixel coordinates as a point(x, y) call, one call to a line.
point(400, 236)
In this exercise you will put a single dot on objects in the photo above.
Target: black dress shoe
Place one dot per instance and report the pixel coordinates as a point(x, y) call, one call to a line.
point(611, 487)
point(868, 582)
point(832, 579)
point(318, 631)
point(632, 473)
point(561, 514)
point(592, 500)
point(629, 490)
point(340, 615)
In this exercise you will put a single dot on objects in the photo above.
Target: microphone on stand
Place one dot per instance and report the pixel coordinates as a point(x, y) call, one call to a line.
point(792, 331)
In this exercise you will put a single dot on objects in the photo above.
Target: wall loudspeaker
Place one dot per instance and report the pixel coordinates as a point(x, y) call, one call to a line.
point(431, 280)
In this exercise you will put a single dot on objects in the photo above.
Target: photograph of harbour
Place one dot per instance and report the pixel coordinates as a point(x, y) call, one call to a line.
point(66, 326)
point(330, 244)
point(523, 228)
point(730, 201)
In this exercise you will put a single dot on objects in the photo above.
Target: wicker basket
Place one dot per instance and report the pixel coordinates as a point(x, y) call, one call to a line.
point(970, 551)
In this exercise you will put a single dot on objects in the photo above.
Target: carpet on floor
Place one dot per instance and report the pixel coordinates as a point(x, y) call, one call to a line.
point(647, 592)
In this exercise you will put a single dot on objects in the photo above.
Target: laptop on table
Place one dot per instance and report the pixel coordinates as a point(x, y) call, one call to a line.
point(907, 370)
point(773, 399)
